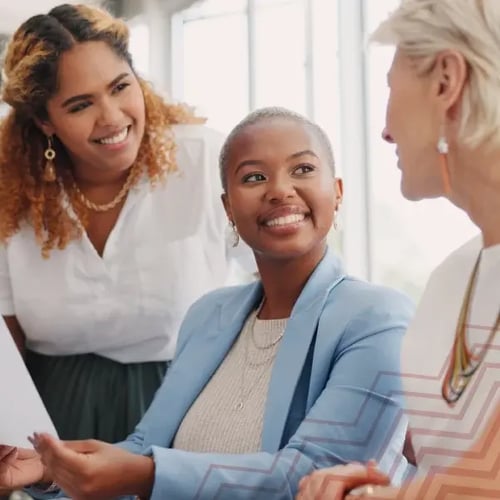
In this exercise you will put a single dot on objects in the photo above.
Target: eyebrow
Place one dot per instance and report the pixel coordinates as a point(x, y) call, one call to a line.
point(294, 156)
point(307, 152)
point(82, 97)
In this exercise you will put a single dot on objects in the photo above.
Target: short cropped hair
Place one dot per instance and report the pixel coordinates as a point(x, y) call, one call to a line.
point(266, 115)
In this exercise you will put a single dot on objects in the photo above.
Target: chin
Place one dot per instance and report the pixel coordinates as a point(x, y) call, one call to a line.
point(411, 192)
point(287, 251)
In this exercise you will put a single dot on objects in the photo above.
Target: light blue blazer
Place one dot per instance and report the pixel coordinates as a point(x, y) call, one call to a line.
point(334, 394)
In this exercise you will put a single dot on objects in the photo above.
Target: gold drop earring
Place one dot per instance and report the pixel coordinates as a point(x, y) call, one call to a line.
point(49, 172)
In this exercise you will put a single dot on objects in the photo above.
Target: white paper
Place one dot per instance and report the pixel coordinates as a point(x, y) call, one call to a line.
point(21, 409)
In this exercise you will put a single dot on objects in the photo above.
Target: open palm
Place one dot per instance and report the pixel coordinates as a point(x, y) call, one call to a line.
point(19, 467)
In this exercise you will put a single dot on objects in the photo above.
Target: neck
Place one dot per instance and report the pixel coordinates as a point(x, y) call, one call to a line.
point(88, 178)
point(477, 191)
point(283, 281)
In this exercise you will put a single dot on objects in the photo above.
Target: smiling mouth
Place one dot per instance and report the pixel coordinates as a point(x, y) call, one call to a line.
point(114, 139)
point(285, 221)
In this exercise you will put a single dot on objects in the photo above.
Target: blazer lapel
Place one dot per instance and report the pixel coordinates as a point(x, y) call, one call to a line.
point(294, 347)
point(194, 367)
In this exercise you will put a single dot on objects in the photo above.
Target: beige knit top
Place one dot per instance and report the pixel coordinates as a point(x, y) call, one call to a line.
point(228, 415)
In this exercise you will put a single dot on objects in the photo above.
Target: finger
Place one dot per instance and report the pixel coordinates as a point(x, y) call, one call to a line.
point(83, 446)
point(11, 458)
point(52, 451)
point(355, 475)
point(332, 489)
point(376, 476)
point(6, 451)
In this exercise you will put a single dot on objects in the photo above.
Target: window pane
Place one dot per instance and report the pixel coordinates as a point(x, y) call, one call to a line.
point(280, 54)
point(409, 239)
point(215, 70)
point(139, 47)
point(216, 7)
point(325, 75)
point(325, 85)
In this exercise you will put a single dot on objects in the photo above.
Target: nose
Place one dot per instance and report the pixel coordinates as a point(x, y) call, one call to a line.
point(279, 189)
point(386, 136)
point(110, 114)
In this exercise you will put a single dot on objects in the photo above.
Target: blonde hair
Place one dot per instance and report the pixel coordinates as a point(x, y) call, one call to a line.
point(423, 28)
point(29, 80)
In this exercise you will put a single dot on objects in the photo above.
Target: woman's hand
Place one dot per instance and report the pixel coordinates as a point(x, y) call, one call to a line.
point(335, 483)
point(19, 467)
point(95, 470)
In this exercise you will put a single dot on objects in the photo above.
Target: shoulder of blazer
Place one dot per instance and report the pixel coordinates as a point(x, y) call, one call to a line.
point(361, 308)
point(207, 308)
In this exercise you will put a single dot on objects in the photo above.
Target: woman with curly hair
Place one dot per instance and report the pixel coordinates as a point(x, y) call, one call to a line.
point(101, 254)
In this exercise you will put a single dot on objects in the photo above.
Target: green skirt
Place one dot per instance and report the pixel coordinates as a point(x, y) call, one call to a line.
point(91, 397)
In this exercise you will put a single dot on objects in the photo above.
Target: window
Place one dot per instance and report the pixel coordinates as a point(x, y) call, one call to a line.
point(241, 55)
point(139, 45)
point(215, 63)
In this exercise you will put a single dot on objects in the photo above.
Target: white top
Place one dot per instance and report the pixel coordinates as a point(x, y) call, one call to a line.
point(442, 433)
point(166, 250)
point(228, 414)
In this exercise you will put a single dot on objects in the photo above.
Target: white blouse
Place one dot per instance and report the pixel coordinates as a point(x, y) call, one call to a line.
point(442, 433)
point(166, 250)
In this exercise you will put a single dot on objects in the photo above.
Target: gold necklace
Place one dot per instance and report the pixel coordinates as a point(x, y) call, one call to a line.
point(464, 363)
point(262, 365)
point(112, 204)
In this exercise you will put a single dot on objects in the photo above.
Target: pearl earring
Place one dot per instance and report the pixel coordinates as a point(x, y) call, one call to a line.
point(442, 145)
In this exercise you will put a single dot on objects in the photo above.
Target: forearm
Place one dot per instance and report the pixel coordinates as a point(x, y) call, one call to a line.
point(184, 475)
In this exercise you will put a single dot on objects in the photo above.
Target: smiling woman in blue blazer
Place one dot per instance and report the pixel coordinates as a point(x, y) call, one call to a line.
point(271, 380)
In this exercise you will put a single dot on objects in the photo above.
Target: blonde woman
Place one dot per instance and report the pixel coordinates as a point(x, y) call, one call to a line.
point(445, 83)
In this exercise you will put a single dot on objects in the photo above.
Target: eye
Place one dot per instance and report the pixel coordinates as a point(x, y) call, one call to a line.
point(120, 87)
point(255, 177)
point(303, 169)
point(79, 107)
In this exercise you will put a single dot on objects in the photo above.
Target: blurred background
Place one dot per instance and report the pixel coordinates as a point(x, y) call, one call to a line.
point(228, 57)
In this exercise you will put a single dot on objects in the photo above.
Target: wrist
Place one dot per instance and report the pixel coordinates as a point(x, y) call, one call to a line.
point(46, 477)
point(143, 477)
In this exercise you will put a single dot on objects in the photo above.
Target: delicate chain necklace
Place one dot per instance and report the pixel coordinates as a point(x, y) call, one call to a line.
point(464, 363)
point(245, 392)
point(112, 204)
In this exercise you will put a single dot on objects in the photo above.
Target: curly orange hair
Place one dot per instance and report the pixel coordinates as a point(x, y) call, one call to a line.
point(30, 79)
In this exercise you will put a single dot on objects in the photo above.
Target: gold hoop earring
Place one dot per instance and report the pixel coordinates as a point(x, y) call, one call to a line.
point(49, 172)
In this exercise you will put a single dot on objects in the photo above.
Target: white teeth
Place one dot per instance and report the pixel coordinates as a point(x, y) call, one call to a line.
point(116, 139)
point(283, 221)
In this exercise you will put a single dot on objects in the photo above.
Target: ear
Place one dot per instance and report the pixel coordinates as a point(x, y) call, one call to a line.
point(339, 192)
point(45, 126)
point(451, 72)
point(227, 206)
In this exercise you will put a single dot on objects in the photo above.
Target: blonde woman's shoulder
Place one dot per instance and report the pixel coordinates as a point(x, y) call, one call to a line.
point(463, 258)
